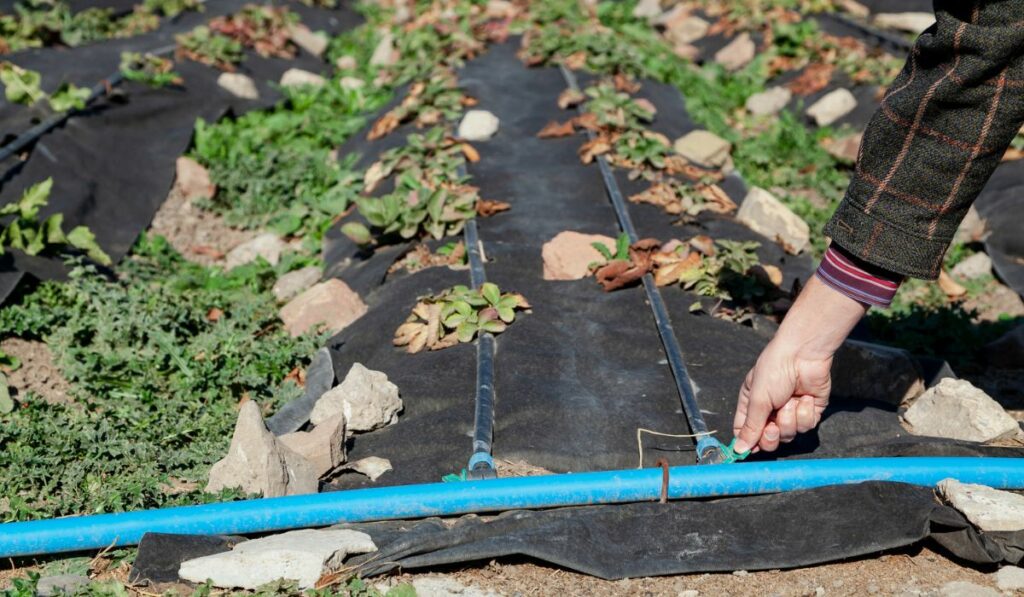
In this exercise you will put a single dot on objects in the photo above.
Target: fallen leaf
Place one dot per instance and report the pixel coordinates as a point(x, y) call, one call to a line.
point(207, 251)
point(587, 121)
point(297, 375)
point(1012, 153)
point(488, 207)
point(671, 267)
point(647, 106)
point(576, 60)
point(214, 314)
point(468, 101)
point(593, 148)
point(716, 199)
point(384, 125)
point(814, 78)
point(625, 84)
point(950, 286)
point(472, 155)
point(570, 98)
point(374, 174)
point(704, 244)
point(554, 129)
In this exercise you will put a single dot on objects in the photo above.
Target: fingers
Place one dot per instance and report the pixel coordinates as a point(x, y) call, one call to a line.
point(786, 420)
point(759, 408)
point(741, 404)
point(770, 438)
point(807, 415)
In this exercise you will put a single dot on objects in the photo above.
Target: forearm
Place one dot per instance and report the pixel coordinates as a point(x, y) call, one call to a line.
point(819, 321)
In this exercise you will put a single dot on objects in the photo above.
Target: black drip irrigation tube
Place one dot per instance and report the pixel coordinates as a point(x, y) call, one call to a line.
point(481, 462)
point(103, 87)
point(709, 450)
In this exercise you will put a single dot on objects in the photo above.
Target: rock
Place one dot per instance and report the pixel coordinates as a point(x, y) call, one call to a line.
point(987, 508)
point(323, 447)
point(296, 77)
point(955, 409)
point(974, 267)
point(764, 214)
point(351, 83)
point(961, 588)
point(313, 43)
point(258, 463)
point(1010, 578)
point(294, 415)
point(331, 304)
point(267, 245)
point(385, 53)
point(687, 51)
point(866, 371)
point(346, 62)
point(911, 22)
point(478, 125)
point(689, 593)
point(647, 9)
point(238, 85)
point(738, 53)
point(854, 8)
point(302, 556)
point(971, 229)
point(845, 148)
point(686, 30)
point(291, 284)
point(160, 554)
point(1007, 351)
point(568, 256)
point(500, 9)
point(193, 180)
point(832, 106)
point(64, 584)
point(445, 586)
point(672, 16)
point(703, 147)
point(367, 399)
point(769, 101)
point(371, 466)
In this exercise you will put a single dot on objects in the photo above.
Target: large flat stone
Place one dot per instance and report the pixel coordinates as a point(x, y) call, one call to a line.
point(366, 398)
point(331, 305)
point(764, 214)
point(955, 409)
point(987, 508)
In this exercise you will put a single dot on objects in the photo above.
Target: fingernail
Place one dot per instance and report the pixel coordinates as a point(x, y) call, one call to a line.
point(740, 446)
point(771, 434)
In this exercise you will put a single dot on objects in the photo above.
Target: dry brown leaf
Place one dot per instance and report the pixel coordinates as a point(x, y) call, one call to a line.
point(488, 207)
point(647, 106)
point(774, 274)
point(472, 155)
point(625, 84)
point(214, 315)
point(576, 61)
point(1012, 153)
point(716, 199)
point(672, 266)
point(374, 174)
point(554, 130)
point(384, 125)
point(814, 78)
point(468, 101)
point(704, 244)
point(570, 98)
point(298, 375)
point(659, 194)
point(208, 251)
point(950, 286)
point(587, 121)
point(593, 148)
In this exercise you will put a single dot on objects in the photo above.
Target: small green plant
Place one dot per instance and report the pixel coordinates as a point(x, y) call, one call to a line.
point(457, 315)
point(621, 252)
point(26, 233)
point(149, 69)
point(207, 47)
point(21, 86)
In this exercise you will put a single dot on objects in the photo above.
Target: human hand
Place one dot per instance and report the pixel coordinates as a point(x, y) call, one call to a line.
point(788, 388)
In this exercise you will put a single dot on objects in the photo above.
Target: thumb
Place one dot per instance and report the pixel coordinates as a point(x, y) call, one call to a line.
point(759, 408)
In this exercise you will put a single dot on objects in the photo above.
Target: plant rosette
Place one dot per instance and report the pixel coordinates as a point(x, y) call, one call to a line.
point(458, 315)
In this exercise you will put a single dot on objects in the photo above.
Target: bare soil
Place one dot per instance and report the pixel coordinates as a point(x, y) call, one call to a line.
point(200, 236)
point(38, 372)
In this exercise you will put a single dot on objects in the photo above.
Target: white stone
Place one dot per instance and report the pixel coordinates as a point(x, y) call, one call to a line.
point(296, 77)
point(832, 106)
point(911, 22)
point(367, 399)
point(257, 463)
point(704, 148)
point(764, 214)
point(291, 284)
point(314, 43)
point(371, 466)
point(267, 245)
point(962, 588)
point(346, 62)
point(384, 54)
point(738, 53)
point(193, 180)
point(351, 83)
point(647, 9)
point(689, 593)
point(955, 409)
point(301, 556)
point(238, 85)
point(854, 8)
point(974, 267)
point(323, 446)
point(987, 508)
point(568, 256)
point(445, 586)
point(478, 125)
point(1010, 578)
point(687, 30)
point(330, 305)
point(769, 101)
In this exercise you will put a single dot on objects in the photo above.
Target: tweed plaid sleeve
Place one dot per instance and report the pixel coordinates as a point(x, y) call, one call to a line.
point(941, 130)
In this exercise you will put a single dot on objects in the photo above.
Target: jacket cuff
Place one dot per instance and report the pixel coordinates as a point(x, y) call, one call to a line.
point(882, 244)
point(856, 279)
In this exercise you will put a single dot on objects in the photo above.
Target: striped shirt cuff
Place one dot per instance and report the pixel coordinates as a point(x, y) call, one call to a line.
point(858, 279)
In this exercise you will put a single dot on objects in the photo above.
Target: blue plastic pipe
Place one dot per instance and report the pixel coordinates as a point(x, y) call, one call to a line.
point(445, 499)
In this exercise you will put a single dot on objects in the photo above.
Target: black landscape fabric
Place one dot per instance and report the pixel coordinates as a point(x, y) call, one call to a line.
point(113, 164)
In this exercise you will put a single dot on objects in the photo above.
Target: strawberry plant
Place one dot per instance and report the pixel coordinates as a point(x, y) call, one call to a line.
point(428, 102)
point(457, 315)
point(26, 233)
point(208, 47)
point(149, 69)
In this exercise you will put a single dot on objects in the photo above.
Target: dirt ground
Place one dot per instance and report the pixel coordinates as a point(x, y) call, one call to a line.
point(199, 235)
point(38, 373)
point(917, 571)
